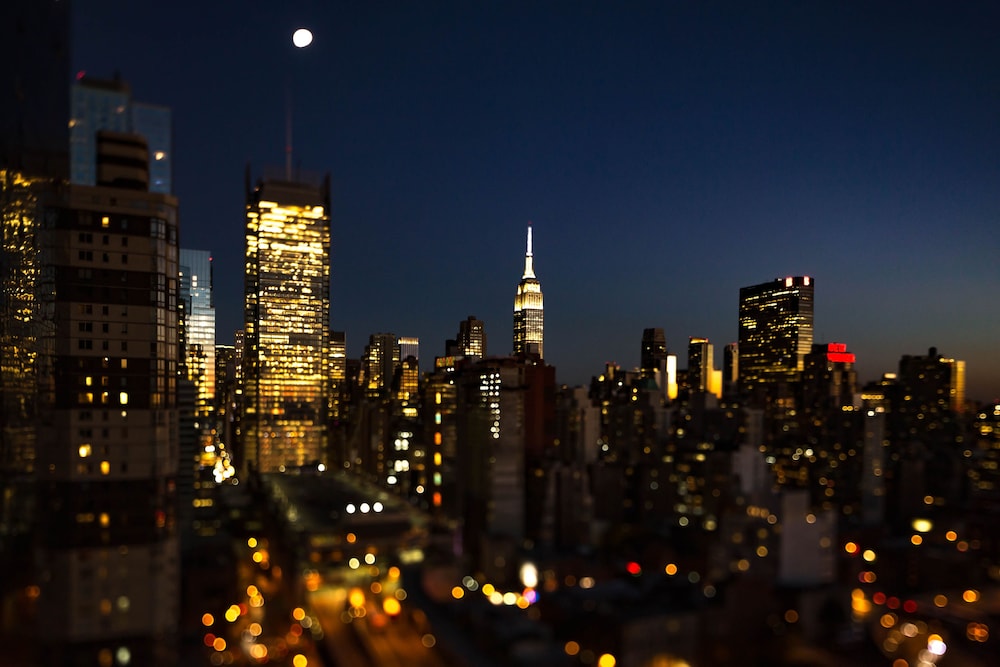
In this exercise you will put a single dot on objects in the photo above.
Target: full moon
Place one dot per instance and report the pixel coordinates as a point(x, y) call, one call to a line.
point(302, 38)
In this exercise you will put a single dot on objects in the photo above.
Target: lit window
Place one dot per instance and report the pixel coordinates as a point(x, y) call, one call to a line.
point(85, 451)
point(123, 398)
point(105, 467)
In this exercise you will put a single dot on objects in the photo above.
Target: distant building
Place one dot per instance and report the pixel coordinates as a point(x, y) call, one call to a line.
point(380, 362)
point(287, 316)
point(196, 281)
point(106, 104)
point(471, 339)
point(775, 335)
point(654, 352)
point(529, 313)
point(701, 365)
point(409, 346)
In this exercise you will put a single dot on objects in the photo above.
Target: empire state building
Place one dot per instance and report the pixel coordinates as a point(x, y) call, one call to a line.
point(529, 315)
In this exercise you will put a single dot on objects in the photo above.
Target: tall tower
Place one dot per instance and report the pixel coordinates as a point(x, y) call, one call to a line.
point(472, 337)
point(196, 280)
point(701, 364)
point(108, 443)
point(775, 335)
point(529, 314)
point(287, 316)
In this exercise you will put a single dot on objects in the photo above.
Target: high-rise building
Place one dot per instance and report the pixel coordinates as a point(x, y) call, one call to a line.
point(930, 394)
point(775, 335)
point(287, 315)
point(471, 338)
point(409, 346)
point(701, 364)
point(199, 327)
point(106, 104)
point(108, 441)
point(380, 362)
point(730, 369)
point(654, 352)
point(529, 314)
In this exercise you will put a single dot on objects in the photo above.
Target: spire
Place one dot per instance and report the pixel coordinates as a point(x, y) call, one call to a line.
point(529, 271)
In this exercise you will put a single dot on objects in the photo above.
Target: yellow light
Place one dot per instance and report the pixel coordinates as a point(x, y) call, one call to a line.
point(258, 651)
point(791, 616)
point(391, 606)
point(393, 572)
point(105, 467)
point(940, 601)
point(951, 536)
point(257, 556)
point(252, 542)
point(851, 548)
point(488, 589)
point(869, 555)
point(298, 613)
point(84, 451)
point(571, 648)
point(761, 551)
point(105, 520)
point(252, 591)
point(232, 613)
point(916, 540)
point(606, 660)
point(299, 660)
point(219, 644)
point(255, 629)
point(207, 620)
point(351, 538)
point(458, 592)
point(670, 569)
point(356, 597)
point(887, 620)
point(922, 525)
point(971, 595)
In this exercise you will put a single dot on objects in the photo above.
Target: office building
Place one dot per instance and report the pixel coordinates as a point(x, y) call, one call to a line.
point(380, 362)
point(287, 315)
point(409, 346)
point(107, 454)
point(471, 338)
point(775, 335)
point(653, 357)
point(107, 104)
point(701, 365)
point(199, 327)
point(529, 313)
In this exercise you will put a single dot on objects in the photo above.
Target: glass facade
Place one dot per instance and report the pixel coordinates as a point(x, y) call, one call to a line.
point(775, 332)
point(196, 281)
point(97, 105)
point(287, 314)
point(529, 314)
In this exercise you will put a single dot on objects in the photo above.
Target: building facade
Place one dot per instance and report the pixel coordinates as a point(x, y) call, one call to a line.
point(286, 314)
point(107, 456)
point(775, 335)
point(106, 104)
point(529, 312)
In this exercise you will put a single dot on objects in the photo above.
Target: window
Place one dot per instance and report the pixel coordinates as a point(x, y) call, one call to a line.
point(106, 239)
point(85, 326)
point(85, 344)
point(124, 258)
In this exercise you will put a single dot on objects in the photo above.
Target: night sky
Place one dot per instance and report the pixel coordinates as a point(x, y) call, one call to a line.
point(667, 153)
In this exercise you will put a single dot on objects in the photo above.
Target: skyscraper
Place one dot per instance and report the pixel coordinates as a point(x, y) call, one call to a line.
point(529, 314)
point(107, 104)
point(775, 335)
point(653, 355)
point(108, 442)
point(196, 281)
point(287, 315)
point(701, 364)
point(472, 337)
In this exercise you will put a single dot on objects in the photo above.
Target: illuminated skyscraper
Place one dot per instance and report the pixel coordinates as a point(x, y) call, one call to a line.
point(701, 364)
point(287, 314)
point(529, 314)
point(196, 280)
point(379, 364)
point(775, 335)
point(653, 356)
point(472, 337)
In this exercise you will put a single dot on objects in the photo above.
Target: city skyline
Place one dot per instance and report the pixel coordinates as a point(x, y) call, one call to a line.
point(666, 154)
